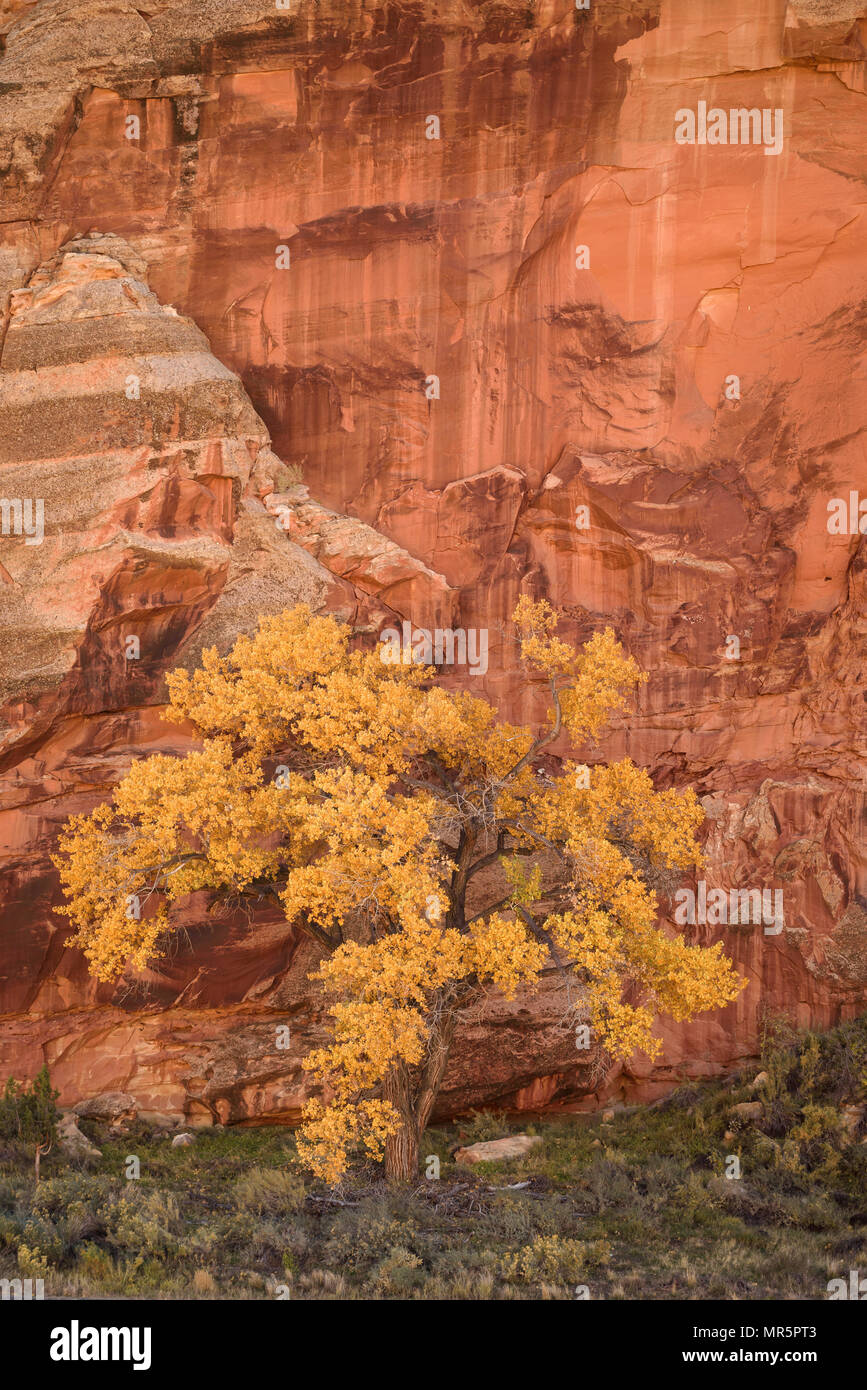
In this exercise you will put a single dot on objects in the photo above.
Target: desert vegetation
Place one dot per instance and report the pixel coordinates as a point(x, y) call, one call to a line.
point(634, 1207)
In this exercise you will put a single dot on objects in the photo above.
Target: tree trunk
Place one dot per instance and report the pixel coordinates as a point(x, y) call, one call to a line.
point(401, 1149)
point(447, 1004)
point(413, 1095)
point(401, 1154)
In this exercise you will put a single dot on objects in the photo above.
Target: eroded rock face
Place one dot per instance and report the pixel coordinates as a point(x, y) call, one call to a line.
point(405, 420)
point(150, 467)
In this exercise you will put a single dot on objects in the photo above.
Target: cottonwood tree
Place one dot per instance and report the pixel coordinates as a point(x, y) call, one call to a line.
point(420, 840)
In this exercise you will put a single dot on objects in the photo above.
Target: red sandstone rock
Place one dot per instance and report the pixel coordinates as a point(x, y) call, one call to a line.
point(307, 389)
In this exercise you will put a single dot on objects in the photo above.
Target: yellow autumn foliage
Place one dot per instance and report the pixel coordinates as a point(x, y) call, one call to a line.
point(417, 838)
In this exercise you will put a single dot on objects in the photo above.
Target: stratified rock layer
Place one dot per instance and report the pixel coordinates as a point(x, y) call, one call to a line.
point(389, 384)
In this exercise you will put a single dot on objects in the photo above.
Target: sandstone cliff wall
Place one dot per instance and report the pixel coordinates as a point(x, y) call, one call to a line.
point(169, 394)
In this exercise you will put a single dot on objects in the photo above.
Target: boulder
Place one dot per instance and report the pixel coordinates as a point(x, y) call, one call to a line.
point(851, 1117)
point(748, 1110)
point(71, 1140)
point(182, 1141)
point(111, 1105)
point(497, 1150)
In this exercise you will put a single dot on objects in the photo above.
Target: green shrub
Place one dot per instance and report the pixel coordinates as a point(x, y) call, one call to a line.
point(270, 1190)
point(813, 1146)
point(95, 1265)
point(33, 1263)
point(358, 1244)
point(397, 1273)
point(552, 1259)
point(10, 1192)
point(483, 1126)
point(610, 1183)
point(29, 1112)
point(56, 1195)
point(145, 1223)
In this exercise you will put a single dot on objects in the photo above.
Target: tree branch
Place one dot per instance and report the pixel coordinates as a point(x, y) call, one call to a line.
point(542, 740)
point(542, 935)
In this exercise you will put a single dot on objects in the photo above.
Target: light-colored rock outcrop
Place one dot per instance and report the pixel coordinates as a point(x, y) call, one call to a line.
point(72, 1142)
point(497, 1150)
point(115, 1106)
